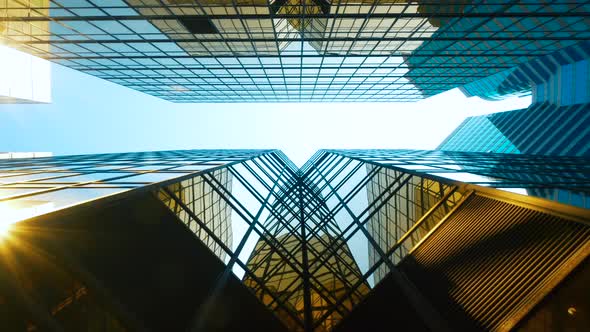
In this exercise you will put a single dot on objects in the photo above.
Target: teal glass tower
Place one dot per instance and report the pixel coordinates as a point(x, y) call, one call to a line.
point(556, 123)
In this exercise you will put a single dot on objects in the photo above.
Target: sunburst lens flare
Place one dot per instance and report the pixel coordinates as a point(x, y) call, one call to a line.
point(8, 216)
point(12, 212)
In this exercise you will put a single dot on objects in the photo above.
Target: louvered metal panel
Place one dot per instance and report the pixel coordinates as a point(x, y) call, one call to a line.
point(495, 260)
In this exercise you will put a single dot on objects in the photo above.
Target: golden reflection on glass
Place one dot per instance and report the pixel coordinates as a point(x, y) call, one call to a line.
point(332, 280)
point(323, 30)
point(13, 32)
point(227, 28)
point(411, 204)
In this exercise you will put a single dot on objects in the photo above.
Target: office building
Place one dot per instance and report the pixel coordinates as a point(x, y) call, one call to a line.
point(559, 78)
point(556, 123)
point(20, 155)
point(542, 129)
point(468, 45)
point(25, 79)
point(243, 240)
point(390, 222)
point(333, 276)
point(287, 50)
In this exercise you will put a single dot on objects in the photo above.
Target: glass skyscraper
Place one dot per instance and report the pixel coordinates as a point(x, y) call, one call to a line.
point(287, 50)
point(557, 122)
point(243, 239)
point(25, 79)
point(491, 231)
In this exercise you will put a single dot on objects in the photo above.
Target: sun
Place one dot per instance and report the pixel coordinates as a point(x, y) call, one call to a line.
point(11, 212)
point(9, 215)
point(4, 229)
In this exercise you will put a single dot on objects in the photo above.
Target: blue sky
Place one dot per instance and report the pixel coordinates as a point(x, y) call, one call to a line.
point(91, 115)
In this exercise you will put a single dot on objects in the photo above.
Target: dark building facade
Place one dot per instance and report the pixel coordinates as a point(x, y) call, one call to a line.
point(231, 240)
point(287, 50)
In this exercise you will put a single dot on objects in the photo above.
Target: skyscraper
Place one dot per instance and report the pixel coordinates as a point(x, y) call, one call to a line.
point(354, 50)
point(557, 122)
point(230, 240)
point(140, 241)
point(402, 211)
point(542, 129)
point(20, 155)
point(559, 78)
point(468, 44)
point(25, 79)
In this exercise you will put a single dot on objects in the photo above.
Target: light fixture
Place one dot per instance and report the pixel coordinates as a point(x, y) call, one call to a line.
point(571, 311)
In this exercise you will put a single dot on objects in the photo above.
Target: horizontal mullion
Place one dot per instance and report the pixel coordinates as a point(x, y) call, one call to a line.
point(500, 14)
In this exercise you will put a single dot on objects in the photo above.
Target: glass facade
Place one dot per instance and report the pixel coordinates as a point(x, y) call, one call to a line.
point(556, 124)
point(207, 205)
point(541, 129)
point(288, 50)
point(492, 139)
point(560, 78)
point(30, 187)
point(568, 85)
point(489, 87)
point(331, 280)
point(310, 243)
point(402, 212)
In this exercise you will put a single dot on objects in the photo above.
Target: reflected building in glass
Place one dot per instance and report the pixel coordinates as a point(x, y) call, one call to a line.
point(243, 239)
point(291, 50)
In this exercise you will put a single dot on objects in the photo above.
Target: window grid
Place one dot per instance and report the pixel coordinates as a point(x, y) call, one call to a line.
point(292, 50)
